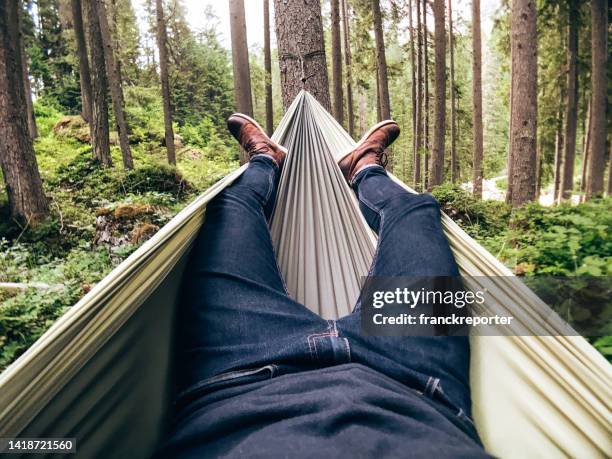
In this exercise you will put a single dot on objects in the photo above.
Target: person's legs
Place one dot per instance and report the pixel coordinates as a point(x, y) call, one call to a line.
point(411, 243)
point(235, 314)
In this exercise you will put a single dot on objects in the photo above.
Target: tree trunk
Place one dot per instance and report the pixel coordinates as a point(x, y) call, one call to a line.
point(349, 69)
point(336, 50)
point(426, 96)
point(571, 108)
point(24, 188)
point(32, 129)
point(301, 50)
point(240, 64)
point(599, 55)
point(268, 69)
point(81, 48)
point(453, 108)
point(586, 146)
point(114, 78)
point(437, 155)
point(165, 84)
point(558, 150)
point(381, 62)
point(413, 90)
point(523, 137)
point(609, 191)
point(98, 127)
point(416, 168)
point(538, 178)
point(240, 58)
point(477, 101)
point(362, 112)
point(378, 112)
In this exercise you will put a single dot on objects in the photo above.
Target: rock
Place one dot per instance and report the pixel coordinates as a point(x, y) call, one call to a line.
point(74, 127)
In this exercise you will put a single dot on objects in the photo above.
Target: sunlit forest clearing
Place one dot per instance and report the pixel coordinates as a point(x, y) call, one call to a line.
point(113, 119)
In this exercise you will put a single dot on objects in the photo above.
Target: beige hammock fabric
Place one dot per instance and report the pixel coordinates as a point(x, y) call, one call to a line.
point(101, 373)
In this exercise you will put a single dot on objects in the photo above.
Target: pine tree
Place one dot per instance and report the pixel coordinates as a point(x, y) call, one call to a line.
point(81, 50)
point(98, 127)
point(32, 128)
point(114, 77)
point(349, 68)
point(268, 69)
point(478, 148)
point(336, 57)
point(523, 118)
point(413, 92)
point(301, 50)
point(454, 163)
point(240, 58)
point(165, 83)
point(418, 141)
point(437, 156)
point(381, 63)
point(24, 188)
point(599, 56)
point(426, 144)
point(571, 107)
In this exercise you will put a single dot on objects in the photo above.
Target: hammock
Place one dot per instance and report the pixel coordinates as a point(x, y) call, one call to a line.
point(102, 372)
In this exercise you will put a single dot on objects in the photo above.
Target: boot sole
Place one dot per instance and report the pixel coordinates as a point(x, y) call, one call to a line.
point(365, 136)
point(248, 118)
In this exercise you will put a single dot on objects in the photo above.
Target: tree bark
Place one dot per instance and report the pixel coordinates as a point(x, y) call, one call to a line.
point(538, 179)
point(585, 152)
point(454, 169)
point(301, 50)
point(558, 150)
point(609, 191)
point(240, 64)
point(416, 170)
point(413, 89)
point(426, 100)
point(98, 127)
point(477, 101)
point(268, 69)
point(381, 62)
point(523, 136)
point(336, 50)
point(32, 129)
point(240, 58)
point(24, 188)
point(599, 55)
point(349, 69)
point(81, 48)
point(165, 83)
point(362, 112)
point(571, 108)
point(437, 156)
point(114, 78)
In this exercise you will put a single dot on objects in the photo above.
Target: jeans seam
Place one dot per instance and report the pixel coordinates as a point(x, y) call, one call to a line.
point(374, 258)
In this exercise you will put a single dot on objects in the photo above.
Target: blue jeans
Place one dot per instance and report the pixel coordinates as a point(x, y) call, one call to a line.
point(237, 322)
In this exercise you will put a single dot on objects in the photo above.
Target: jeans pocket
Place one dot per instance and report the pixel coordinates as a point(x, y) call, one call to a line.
point(224, 380)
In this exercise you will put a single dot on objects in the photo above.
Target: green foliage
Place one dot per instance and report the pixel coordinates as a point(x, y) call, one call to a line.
point(564, 240)
point(27, 315)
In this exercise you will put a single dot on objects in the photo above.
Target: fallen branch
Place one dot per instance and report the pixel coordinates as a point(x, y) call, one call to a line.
point(20, 287)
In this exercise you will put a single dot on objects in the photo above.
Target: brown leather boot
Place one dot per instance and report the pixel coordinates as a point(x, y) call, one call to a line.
point(253, 138)
point(370, 149)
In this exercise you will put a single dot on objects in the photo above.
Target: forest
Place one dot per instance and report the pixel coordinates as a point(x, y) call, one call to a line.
point(112, 119)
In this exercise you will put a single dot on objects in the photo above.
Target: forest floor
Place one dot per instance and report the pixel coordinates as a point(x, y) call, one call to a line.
point(100, 216)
